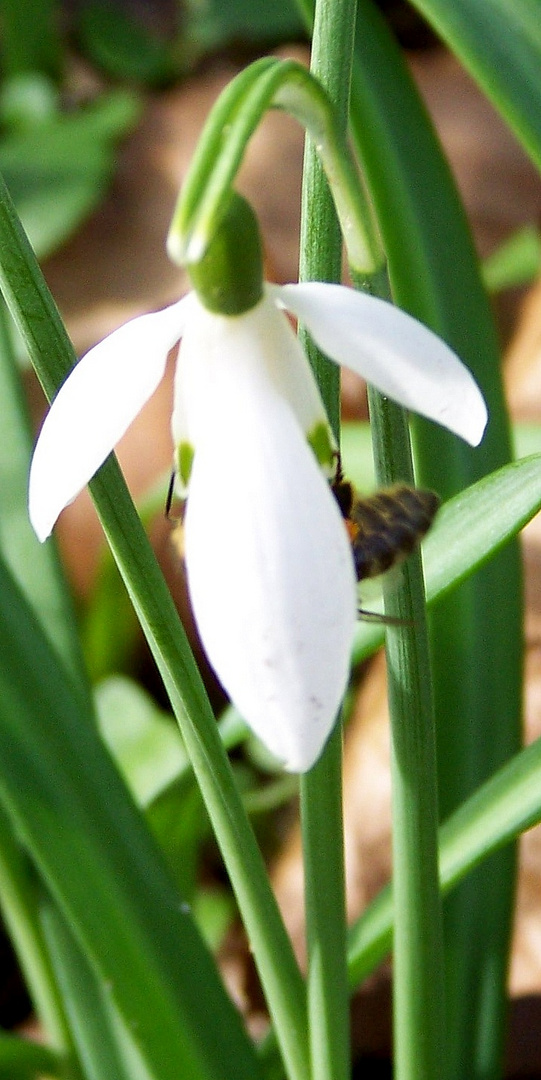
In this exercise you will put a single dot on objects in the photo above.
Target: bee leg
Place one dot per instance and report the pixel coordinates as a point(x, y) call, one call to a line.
point(378, 617)
point(169, 499)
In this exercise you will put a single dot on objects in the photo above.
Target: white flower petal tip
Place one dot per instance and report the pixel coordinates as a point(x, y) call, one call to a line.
point(392, 351)
point(95, 406)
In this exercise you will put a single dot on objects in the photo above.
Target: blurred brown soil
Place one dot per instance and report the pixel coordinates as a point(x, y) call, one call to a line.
point(116, 267)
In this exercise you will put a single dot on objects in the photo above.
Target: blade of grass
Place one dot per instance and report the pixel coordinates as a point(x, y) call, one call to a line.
point(499, 42)
point(21, 1059)
point(321, 788)
point(19, 896)
point(105, 1049)
point(35, 566)
point(498, 812)
point(477, 657)
point(38, 572)
point(74, 816)
point(418, 984)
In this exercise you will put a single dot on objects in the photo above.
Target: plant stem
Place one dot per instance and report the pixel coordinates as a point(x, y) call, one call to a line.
point(476, 636)
point(323, 853)
point(321, 788)
point(418, 999)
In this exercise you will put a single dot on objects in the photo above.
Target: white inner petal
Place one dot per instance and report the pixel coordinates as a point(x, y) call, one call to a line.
point(264, 331)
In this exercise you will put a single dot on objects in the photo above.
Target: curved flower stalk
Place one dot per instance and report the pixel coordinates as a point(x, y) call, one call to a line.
point(265, 84)
point(269, 566)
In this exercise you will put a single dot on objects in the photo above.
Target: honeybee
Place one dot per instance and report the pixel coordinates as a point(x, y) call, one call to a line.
point(384, 527)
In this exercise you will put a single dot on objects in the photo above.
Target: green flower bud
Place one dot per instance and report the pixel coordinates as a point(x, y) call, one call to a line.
point(229, 278)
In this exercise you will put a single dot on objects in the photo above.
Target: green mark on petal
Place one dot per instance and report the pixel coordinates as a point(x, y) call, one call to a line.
point(185, 454)
point(321, 441)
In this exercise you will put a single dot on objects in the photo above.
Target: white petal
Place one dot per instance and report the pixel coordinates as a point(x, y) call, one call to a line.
point(95, 406)
point(392, 351)
point(269, 568)
point(264, 331)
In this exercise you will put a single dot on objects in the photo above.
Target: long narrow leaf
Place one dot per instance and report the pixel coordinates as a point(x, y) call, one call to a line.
point(104, 1048)
point(20, 903)
point(476, 648)
point(88, 841)
point(21, 1059)
point(499, 42)
point(35, 566)
point(505, 806)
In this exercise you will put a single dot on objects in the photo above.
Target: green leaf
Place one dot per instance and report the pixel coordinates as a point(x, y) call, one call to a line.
point(499, 42)
point(110, 632)
point(516, 262)
point(106, 1049)
point(20, 903)
point(74, 816)
point(505, 806)
point(357, 455)
point(31, 40)
point(217, 23)
point(144, 742)
point(477, 658)
point(21, 1059)
point(474, 525)
point(57, 171)
point(35, 566)
point(123, 46)
point(214, 911)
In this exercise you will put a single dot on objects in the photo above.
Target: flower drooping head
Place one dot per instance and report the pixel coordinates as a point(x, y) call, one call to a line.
point(275, 598)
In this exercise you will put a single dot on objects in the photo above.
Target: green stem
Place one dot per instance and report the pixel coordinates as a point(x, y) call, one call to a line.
point(500, 810)
point(266, 84)
point(321, 788)
point(418, 998)
point(34, 311)
point(476, 648)
point(326, 934)
point(150, 596)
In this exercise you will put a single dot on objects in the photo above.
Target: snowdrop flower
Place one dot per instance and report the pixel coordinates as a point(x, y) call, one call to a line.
point(269, 566)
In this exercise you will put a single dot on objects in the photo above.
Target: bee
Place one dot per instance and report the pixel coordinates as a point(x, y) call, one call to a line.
point(384, 527)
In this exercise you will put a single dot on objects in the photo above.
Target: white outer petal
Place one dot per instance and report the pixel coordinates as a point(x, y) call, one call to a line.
point(94, 407)
point(392, 351)
point(265, 330)
point(269, 564)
